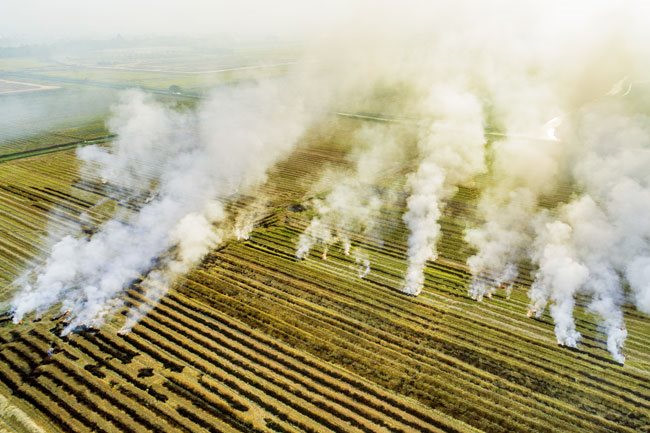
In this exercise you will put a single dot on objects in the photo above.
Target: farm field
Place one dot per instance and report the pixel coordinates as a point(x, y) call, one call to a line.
point(39, 119)
point(255, 340)
point(71, 114)
point(180, 59)
point(153, 80)
point(195, 73)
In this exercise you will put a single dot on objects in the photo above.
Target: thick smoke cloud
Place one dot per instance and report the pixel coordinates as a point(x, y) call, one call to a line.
point(193, 160)
point(525, 170)
point(590, 130)
point(451, 151)
point(602, 234)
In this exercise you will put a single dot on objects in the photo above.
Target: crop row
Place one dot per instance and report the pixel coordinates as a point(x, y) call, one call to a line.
point(293, 278)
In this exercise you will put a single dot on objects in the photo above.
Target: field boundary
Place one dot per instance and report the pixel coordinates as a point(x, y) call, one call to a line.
point(56, 148)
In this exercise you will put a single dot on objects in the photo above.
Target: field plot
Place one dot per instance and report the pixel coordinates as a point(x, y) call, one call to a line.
point(255, 340)
point(184, 59)
point(154, 80)
point(194, 74)
point(40, 119)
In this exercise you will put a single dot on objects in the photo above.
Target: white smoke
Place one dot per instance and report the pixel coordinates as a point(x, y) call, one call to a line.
point(452, 70)
point(526, 162)
point(559, 278)
point(248, 217)
point(595, 141)
point(573, 258)
point(192, 158)
point(354, 203)
point(594, 238)
point(527, 169)
point(606, 236)
point(452, 153)
point(585, 247)
point(194, 236)
point(362, 261)
point(142, 150)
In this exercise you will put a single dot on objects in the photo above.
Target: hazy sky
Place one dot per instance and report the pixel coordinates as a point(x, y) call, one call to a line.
point(43, 20)
point(51, 20)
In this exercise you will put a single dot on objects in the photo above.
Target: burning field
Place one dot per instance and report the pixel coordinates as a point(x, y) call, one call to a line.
point(426, 222)
point(255, 339)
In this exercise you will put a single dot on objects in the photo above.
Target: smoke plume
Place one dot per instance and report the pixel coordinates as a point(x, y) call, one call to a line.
point(603, 235)
point(451, 150)
point(354, 203)
point(525, 169)
point(193, 160)
point(584, 127)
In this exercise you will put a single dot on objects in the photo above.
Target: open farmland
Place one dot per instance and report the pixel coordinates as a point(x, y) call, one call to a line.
point(255, 340)
point(178, 59)
point(153, 69)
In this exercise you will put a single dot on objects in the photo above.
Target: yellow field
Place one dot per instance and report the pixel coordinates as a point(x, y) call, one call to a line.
point(255, 340)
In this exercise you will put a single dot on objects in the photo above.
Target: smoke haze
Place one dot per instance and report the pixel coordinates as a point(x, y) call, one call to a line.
point(354, 203)
point(519, 99)
point(196, 159)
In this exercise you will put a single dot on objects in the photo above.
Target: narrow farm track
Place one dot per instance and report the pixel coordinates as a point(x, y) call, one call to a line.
point(254, 340)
